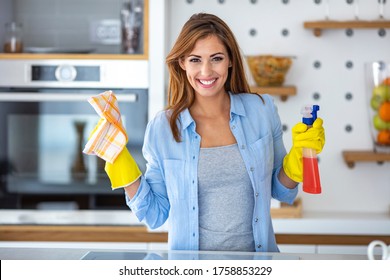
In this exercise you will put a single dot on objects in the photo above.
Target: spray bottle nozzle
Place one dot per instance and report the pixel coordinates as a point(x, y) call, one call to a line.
point(309, 113)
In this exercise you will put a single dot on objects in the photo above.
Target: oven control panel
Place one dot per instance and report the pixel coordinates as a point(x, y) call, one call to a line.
point(65, 73)
point(74, 73)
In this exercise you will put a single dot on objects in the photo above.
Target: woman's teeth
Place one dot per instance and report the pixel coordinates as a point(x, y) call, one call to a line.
point(207, 82)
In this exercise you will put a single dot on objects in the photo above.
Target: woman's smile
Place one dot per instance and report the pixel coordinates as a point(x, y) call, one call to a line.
point(207, 83)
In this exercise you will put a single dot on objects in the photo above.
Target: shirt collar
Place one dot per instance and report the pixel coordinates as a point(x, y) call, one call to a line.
point(186, 119)
point(236, 108)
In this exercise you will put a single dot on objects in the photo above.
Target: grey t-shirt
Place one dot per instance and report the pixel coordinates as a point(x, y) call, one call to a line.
point(226, 201)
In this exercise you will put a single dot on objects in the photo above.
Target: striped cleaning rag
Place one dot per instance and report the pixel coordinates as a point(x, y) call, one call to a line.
point(109, 136)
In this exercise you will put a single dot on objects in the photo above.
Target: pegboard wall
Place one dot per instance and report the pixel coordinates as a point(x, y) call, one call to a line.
point(327, 70)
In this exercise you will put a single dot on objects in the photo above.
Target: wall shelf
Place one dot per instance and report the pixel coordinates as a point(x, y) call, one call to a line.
point(283, 91)
point(351, 157)
point(318, 26)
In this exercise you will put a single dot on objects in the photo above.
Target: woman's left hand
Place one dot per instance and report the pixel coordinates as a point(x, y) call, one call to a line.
point(303, 137)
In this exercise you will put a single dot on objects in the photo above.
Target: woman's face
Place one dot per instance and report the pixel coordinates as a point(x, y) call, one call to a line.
point(207, 66)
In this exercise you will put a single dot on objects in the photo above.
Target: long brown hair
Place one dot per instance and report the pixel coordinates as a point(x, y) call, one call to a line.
point(181, 95)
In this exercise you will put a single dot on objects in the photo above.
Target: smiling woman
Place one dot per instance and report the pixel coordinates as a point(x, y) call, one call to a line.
point(222, 157)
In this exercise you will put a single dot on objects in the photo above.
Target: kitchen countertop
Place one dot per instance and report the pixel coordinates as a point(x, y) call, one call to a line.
point(77, 254)
point(122, 226)
point(310, 223)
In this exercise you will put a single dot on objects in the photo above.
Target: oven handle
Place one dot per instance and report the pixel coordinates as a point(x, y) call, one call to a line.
point(57, 97)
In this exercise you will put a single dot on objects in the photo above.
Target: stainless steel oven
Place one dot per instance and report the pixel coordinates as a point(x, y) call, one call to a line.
point(45, 121)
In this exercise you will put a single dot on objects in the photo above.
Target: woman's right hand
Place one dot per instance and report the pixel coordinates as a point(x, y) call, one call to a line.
point(124, 171)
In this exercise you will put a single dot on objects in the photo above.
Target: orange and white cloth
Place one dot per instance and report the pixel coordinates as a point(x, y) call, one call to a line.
point(109, 136)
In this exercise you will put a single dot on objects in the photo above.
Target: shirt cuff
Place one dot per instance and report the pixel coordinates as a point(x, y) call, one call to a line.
point(281, 192)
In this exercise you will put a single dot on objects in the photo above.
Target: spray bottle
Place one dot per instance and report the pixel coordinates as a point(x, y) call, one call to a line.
point(311, 175)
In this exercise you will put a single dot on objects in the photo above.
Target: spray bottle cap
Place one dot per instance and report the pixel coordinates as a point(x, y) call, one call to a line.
point(309, 113)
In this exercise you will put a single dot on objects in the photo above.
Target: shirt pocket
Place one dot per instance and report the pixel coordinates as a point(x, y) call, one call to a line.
point(263, 153)
point(174, 178)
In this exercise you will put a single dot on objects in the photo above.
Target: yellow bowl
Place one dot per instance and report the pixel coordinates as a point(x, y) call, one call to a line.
point(269, 70)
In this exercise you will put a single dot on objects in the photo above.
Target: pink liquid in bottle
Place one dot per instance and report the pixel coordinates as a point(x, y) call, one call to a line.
point(311, 175)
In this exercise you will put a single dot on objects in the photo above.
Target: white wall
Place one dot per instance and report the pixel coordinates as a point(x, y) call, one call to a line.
point(157, 53)
point(366, 188)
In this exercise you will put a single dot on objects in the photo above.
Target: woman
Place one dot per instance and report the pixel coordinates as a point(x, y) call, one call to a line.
point(215, 157)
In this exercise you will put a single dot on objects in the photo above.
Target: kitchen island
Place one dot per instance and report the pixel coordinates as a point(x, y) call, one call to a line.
point(93, 254)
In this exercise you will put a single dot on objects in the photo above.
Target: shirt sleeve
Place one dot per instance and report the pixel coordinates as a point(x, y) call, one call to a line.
point(279, 191)
point(150, 203)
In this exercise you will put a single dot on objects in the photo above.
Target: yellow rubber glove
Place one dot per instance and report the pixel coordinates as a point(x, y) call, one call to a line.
point(302, 137)
point(123, 171)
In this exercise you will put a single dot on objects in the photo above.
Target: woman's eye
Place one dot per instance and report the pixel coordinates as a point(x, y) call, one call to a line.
point(194, 60)
point(217, 58)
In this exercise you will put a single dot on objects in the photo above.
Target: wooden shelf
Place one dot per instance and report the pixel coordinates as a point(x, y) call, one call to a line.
point(318, 26)
point(351, 157)
point(288, 211)
point(284, 91)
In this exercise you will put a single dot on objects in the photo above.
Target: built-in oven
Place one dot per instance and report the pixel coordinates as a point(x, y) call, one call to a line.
point(45, 121)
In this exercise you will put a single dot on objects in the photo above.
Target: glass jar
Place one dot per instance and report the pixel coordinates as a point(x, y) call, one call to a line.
point(131, 24)
point(378, 97)
point(13, 42)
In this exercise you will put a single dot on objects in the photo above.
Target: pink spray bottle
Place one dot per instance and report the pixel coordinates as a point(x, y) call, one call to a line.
point(311, 176)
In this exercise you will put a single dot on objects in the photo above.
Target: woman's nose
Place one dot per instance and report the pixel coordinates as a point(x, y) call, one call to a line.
point(206, 69)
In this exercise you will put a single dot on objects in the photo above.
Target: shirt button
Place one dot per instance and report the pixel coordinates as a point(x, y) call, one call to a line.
point(193, 208)
point(233, 127)
point(258, 246)
point(252, 168)
point(243, 147)
point(256, 220)
point(193, 181)
point(193, 234)
point(193, 157)
point(257, 194)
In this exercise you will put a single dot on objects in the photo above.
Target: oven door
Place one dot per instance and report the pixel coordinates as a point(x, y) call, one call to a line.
point(43, 133)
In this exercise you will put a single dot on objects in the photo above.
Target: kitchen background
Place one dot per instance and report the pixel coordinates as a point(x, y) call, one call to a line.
point(328, 70)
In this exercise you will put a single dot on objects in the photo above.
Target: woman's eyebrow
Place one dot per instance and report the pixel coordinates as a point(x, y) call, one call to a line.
point(218, 53)
point(214, 54)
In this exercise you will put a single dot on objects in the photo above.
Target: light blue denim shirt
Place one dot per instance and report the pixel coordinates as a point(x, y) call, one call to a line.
point(169, 186)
